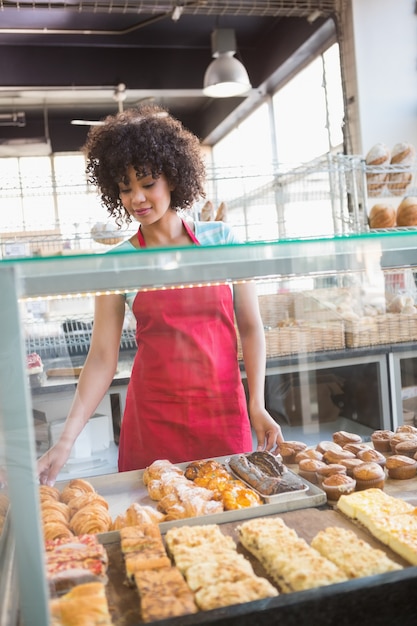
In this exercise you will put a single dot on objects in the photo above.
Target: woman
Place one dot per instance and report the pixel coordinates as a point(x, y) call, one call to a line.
point(185, 398)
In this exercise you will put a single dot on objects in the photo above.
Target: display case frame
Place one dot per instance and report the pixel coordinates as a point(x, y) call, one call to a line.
point(119, 272)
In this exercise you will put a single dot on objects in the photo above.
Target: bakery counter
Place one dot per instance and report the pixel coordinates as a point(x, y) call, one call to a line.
point(378, 600)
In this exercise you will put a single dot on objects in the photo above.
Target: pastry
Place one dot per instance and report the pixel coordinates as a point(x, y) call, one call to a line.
point(369, 475)
point(47, 492)
point(288, 560)
point(56, 530)
point(218, 570)
point(77, 503)
point(381, 440)
point(398, 437)
point(158, 468)
point(391, 520)
point(371, 455)
point(335, 456)
point(76, 487)
point(329, 470)
point(136, 515)
point(323, 446)
point(336, 485)
point(51, 508)
point(73, 559)
point(289, 450)
point(91, 519)
point(351, 554)
point(407, 447)
point(401, 467)
point(228, 593)
point(350, 464)
point(307, 468)
point(308, 453)
point(342, 437)
point(163, 594)
point(355, 447)
point(84, 605)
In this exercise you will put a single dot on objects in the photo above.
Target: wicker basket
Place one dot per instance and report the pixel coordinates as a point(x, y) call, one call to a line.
point(381, 329)
point(275, 308)
point(302, 338)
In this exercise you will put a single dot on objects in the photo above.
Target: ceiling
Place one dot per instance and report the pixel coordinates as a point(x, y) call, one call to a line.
point(63, 59)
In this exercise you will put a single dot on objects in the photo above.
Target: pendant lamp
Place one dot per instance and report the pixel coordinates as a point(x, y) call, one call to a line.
point(226, 76)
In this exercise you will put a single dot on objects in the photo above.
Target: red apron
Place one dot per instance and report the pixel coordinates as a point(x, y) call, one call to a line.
point(185, 399)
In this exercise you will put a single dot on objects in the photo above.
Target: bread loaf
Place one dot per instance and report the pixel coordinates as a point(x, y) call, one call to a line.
point(377, 158)
point(382, 216)
point(407, 212)
point(403, 155)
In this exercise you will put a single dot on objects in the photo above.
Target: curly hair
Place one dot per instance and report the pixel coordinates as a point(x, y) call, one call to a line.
point(153, 142)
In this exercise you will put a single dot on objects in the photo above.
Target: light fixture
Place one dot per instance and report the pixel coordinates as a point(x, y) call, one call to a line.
point(226, 76)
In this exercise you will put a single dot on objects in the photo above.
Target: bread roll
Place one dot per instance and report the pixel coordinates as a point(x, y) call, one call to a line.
point(382, 216)
point(407, 212)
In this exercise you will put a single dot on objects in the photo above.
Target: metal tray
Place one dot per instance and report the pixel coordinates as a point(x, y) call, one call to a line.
point(122, 489)
point(278, 497)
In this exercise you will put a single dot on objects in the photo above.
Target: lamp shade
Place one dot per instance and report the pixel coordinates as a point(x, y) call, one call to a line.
point(226, 77)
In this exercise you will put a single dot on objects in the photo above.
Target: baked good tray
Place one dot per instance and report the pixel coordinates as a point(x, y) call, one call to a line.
point(125, 603)
point(122, 489)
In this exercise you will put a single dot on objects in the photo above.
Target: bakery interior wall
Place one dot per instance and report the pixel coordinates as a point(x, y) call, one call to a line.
point(381, 72)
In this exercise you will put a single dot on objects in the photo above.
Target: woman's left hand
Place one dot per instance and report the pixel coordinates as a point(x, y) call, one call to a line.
point(268, 432)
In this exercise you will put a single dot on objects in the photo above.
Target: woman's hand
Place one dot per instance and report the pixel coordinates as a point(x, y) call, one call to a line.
point(268, 432)
point(51, 463)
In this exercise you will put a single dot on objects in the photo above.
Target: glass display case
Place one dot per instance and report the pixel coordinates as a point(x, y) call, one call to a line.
point(329, 325)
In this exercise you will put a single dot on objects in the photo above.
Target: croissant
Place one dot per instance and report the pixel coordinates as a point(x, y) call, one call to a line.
point(157, 468)
point(76, 487)
point(48, 493)
point(91, 519)
point(59, 509)
point(56, 530)
point(77, 503)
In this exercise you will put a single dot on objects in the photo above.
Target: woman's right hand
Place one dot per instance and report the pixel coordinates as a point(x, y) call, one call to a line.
point(51, 463)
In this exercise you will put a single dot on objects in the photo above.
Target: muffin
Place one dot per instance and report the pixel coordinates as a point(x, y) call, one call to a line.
point(369, 476)
point(329, 470)
point(372, 456)
point(401, 467)
point(324, 446)
point(342, 437)
point(290, 449)
point(407, 447)
point(308, 453)
point(356, 447)
point(381, 440)
point(400, 437)
point(335, 456)
point(307, 468)
point(337, 485)
point(406, 428)
point(350, 464)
